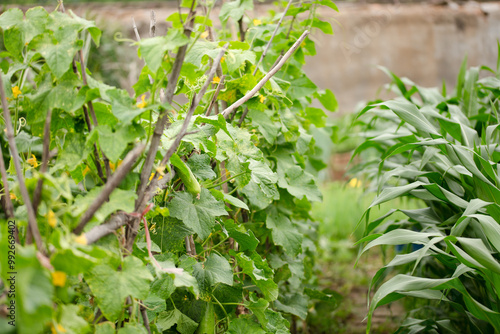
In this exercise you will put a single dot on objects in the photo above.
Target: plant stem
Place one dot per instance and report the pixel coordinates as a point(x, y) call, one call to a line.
point(226, 180)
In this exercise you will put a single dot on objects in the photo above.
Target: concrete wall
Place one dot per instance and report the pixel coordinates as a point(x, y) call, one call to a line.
point(423, 42)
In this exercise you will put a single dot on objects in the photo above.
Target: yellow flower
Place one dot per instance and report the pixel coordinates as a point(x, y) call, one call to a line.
point(257, 22)
point(32, 161)
point(262, 98)
point(13, 196)
point(152, 175)
point(86, 170)
point(58, 278)
point(204, 34)
point(60, 329)
point(51, 218)
point(142, 104)
point(16, 92)
point(113, 166)
point(81, 239)
point(354, 183)
point(216, 80)
point(222, 59)
point(303, 44)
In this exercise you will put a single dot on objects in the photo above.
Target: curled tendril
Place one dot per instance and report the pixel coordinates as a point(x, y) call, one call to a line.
point(22, 123)
point(118, 36)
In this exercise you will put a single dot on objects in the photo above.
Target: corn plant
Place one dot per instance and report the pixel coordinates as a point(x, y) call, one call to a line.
point(441, 150)
point(147, 214)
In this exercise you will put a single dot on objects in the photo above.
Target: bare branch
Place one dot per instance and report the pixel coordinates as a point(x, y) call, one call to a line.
point(190, 246)
point(116, 221)
point(194, 104)
point(45, 161)
point(242, 29)
point(272, 37)
point(17, 164)
point(112, 183)
point(9, 207)
point(145, 196)
point(145, 319)
point(61, 6)
point(96, 152)
point(242, 118)
point(152, 24)
point(163, 117)
point(94, 119)
point(134, 26)
point(268, 76)
point(141, 203)
point(214, 98)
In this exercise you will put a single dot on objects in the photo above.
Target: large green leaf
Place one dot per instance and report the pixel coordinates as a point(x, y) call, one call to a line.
point(216, 269)
point(300, 183)
point(284, 233)
point(197, 214)
point(246, 239)
point(111, 287)
point(58, 47)
point(408, 112)
point(295, 304)
point(259, 272)
point(33, 289)
point(244, 326)
point(185, 325)
point(153, 49)
point(235, 9)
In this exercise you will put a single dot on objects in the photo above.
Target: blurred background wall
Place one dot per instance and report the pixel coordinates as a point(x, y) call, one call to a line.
point(424, 41)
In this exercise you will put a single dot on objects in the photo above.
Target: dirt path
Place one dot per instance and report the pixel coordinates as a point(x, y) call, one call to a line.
point(352, 283)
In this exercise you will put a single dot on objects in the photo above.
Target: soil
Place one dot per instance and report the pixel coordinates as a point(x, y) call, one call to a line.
point(352, 283)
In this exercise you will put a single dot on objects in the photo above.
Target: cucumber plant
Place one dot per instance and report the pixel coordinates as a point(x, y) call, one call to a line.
point(144, 214)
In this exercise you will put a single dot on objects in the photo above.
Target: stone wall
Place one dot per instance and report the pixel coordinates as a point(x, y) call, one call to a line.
point(423, 42)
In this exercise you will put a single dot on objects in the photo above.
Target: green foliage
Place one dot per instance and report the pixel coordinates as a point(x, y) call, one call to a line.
point(443, 150)
point(230, 243)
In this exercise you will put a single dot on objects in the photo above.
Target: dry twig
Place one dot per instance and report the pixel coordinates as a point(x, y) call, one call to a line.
point(113, 182)
point(17, 164)
point(9, 207)
point(134, 26)
point(163, 117)
point(45, 161)
point(94, 119)
point(272, 37)
point(228, 111)
point(214, 98)
point(152, 24)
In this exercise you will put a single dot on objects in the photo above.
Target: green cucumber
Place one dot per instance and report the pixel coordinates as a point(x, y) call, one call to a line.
point(207, 323)
point(186, 175)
